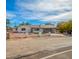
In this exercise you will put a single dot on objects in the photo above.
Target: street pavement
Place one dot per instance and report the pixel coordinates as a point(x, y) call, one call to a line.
point(60, 53)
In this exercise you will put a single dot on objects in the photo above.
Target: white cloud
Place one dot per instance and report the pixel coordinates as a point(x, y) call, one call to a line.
point(10, 15)
point(45, 5)
point(34, 16)
point(39, 9)
point(58, 17)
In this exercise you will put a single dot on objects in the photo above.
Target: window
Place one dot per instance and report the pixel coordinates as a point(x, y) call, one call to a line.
point(23, 29)
point(37, 29)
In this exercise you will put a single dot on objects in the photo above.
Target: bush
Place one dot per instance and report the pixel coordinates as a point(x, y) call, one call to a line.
point(65, 27)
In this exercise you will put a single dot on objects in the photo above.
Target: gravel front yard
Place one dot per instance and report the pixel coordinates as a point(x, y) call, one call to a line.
point(30, 45)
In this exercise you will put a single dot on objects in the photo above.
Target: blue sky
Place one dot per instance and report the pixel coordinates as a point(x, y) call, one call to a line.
point(38, 11)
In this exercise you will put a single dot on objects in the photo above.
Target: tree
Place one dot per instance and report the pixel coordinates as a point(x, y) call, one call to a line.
point(8, 28)
point(23, 23)
point(7, 22)
point(69, 27)
point(49, 23)
point(27, 23)
point(65, 27)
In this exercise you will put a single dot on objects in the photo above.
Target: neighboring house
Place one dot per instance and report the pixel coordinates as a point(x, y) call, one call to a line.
point(9, 29)
point(48, 28)
point(36, 28)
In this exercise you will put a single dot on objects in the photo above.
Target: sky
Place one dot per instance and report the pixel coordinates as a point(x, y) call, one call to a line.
point(38, 11)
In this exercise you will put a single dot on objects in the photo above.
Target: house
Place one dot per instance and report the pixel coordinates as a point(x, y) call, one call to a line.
point(24, 29)
point(36, 28)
